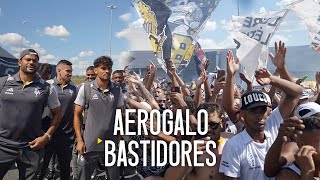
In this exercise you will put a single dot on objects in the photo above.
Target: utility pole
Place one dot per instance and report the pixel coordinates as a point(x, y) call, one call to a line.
point(23, 22)
point(111, 7)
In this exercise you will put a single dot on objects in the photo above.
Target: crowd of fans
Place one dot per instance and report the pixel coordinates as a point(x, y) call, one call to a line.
point(269, 133)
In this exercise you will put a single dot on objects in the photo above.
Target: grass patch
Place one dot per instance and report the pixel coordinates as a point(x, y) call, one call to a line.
point(78, 79)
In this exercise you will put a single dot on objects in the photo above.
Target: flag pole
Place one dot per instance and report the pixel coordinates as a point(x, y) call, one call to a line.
point(241, 67)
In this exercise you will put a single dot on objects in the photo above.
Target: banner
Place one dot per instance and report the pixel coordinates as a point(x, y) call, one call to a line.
point(200, 58)
point(173, 27)
point(252, 35)
point(309, 11)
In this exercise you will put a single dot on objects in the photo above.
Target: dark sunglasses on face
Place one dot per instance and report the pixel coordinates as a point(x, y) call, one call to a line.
point(212, 125)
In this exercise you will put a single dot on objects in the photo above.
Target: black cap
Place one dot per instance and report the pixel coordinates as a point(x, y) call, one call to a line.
point(253, 99)
point(28, 51)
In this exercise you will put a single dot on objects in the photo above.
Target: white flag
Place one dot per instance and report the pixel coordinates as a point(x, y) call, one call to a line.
point(309, 11)
point(252, 35)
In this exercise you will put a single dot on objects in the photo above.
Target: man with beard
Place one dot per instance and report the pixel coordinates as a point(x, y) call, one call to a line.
point(105, 98)
point(118, 78)
point(22, 100)
point(90, 74)
point(63, 138)
point(215, 127)
point(244, 155)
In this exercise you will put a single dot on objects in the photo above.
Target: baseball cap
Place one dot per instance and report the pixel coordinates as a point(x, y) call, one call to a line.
point(307, 109)
point(254, 99)
point(28, 51)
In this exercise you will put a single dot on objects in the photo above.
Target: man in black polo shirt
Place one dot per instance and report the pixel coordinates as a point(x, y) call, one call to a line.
point(63, 138)
point(105, 98)
point(22, 101)
point(118, 78)
point(90, 74)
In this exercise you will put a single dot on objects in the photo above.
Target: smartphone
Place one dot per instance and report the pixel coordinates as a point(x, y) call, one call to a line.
point(221, 73)
point(175, 89)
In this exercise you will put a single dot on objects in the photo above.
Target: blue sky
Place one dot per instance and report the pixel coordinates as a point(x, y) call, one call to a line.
point(79, 30)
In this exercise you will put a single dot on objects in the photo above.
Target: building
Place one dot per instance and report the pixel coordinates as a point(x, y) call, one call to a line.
point(9, 64)
point(300, 61)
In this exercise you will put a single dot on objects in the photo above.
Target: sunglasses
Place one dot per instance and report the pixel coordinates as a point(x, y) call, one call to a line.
point(212, 125)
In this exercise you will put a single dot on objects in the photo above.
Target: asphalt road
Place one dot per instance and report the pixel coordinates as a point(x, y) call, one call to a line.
point(13, 174)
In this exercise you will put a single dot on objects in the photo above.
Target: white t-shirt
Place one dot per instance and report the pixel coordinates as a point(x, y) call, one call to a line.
point(230, 127)
point(243, 158)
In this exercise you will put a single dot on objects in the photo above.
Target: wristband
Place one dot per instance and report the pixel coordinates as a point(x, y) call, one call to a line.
point(49, 136)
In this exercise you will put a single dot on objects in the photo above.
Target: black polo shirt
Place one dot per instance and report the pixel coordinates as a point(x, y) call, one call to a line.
point(66, 95)
point(21, 107)
point(101, 114)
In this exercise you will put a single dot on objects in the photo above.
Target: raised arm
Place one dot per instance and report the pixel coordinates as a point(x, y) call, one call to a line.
point(228, 90)
point(218, 85)
point(279, 60)
point(185, 91)
point(276, 157)
point(247, 81)
point(152, 72)
point(292, 90)
point(147, 96)
point(198, 94)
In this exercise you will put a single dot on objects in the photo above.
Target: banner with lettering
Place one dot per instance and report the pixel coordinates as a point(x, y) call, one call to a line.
point(173, 27)
point(252, 35)
point(309, 11)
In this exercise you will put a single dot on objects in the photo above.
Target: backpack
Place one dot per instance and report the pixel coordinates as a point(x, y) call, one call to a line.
point(3, 81)
point(87, 94)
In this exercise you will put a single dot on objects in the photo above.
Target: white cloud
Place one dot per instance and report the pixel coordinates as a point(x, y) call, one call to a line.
point(123, 59)
point(210, 26)
point(38, 48)
point(212, 44)
point(134, 36)
point(12, 39)
point(86, 53)
point(125, 17)
point(47, 58)
point(262, 10)
point(283, 3)
point(73, 59)
point(59, 31)
point(290, 25)
point(137, 24)
point(79, 65)
point(226, 25)
point(80, 62)
point(1, 12)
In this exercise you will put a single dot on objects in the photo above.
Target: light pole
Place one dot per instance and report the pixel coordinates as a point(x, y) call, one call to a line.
point(111, 7)
point(23, 22)
point(238, 7)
